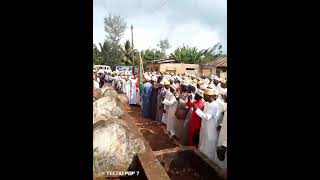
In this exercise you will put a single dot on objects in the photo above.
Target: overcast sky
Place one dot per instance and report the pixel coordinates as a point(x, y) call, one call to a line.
point(199, 23)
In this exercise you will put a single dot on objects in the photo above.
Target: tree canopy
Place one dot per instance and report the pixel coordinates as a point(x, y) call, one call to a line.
point(193, 55)
point(164, 45)
point(114, 27)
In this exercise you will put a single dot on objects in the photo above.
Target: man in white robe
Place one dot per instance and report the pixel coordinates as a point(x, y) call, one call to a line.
point(167, 96)
point(222, 144)
point(123, 84)
point(95, 81)
point(220, 102)
point(221, 158)
point(171, 102)
point(208, 130)
point(114, 79)
point(133, 91)
point(127, 87)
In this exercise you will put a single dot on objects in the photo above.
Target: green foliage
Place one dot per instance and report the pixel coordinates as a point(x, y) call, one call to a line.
point(152, 54)
point(126, 53)
point(96, 55)
point(115, 27)
point(109, 54)
point(164, 45)
point(192, 55)
point(186, 54)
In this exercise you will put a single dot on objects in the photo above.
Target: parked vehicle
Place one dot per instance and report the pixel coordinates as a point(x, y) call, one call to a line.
point(104, 68)
point(127, 69)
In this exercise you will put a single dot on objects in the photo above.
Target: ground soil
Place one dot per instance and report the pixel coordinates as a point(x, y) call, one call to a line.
point(152, 131)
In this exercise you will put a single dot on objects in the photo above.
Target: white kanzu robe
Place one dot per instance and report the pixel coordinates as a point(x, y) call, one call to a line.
point(223, 141)
point(221, 110)
point(171, 103)
point(127, 87)
point(208, 130)
point(133, 92)
point(166, 107)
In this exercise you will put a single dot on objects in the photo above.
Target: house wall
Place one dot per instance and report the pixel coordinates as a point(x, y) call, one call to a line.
point(208, 70)
point(222, 73)
point(152, 67)
point(180, 68)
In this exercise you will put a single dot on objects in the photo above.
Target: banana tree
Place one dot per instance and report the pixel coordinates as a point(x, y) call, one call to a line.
point(187, 54)
point(126, 54)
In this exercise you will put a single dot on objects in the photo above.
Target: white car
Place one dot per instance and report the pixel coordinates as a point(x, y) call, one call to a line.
point(123, 69)
point(103, 68)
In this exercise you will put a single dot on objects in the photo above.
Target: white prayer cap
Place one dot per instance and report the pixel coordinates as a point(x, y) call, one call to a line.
point(147, 77)
point(154, 78)
point(203, 86)
point(209, 92)
point(199, 92)
point(211, 86)
point(166, 82)
point(185, 83)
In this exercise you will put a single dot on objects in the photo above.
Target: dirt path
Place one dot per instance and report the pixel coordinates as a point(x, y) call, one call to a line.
point(152, 131)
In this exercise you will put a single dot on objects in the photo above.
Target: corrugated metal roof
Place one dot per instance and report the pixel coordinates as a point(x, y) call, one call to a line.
point(218, 63)
point(160, 61)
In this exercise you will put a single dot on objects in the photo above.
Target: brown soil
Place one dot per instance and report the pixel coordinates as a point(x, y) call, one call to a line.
point(152, 131)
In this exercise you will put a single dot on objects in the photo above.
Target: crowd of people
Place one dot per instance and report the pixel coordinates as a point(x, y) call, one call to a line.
point(193, 109)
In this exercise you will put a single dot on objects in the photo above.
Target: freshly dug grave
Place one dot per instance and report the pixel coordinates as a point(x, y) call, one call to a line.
point(152, 131)
point(187, 163)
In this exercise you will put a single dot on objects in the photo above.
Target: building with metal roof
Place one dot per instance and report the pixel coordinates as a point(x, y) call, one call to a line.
point(216, 67)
